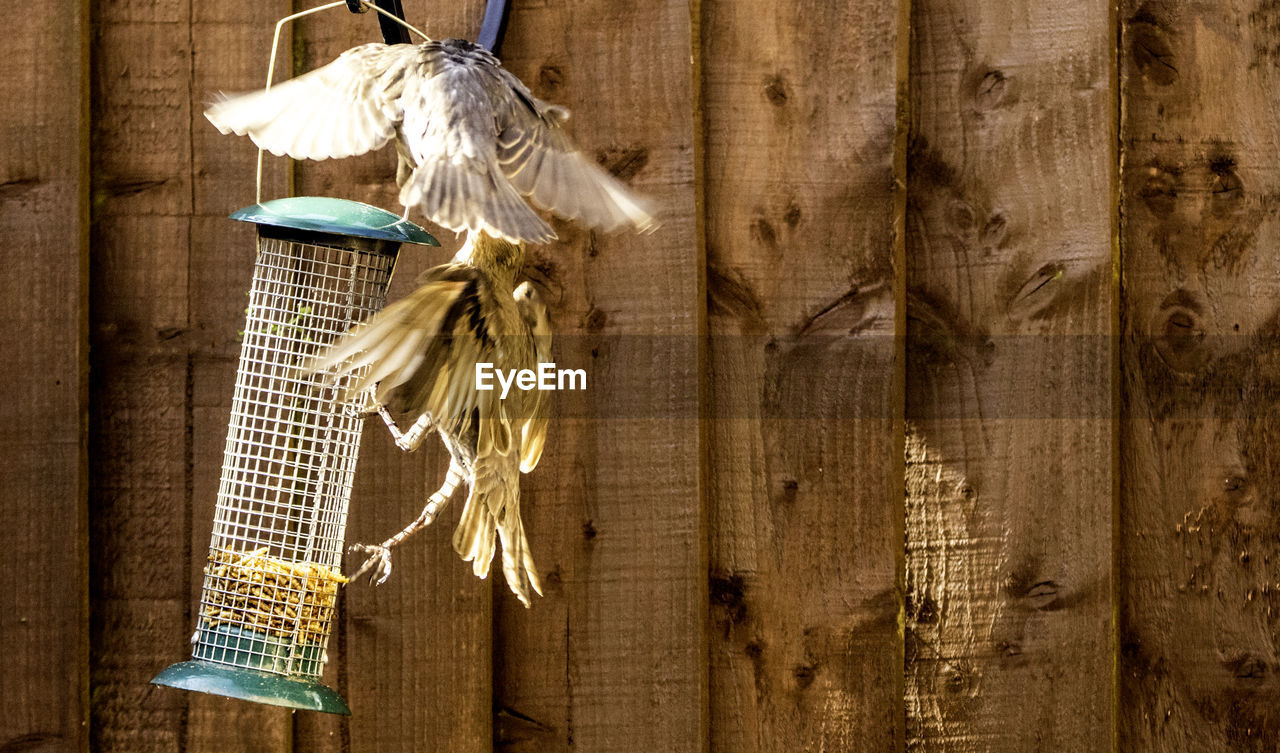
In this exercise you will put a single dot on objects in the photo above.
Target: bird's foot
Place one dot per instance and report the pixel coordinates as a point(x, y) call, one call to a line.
point(411, 439)
point(379, 561)
point(363, 405)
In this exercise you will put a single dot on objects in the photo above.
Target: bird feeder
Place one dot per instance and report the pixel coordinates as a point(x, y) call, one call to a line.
point(274, 567)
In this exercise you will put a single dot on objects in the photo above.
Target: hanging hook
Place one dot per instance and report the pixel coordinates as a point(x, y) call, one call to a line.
point(494, 27)
point(392, 32)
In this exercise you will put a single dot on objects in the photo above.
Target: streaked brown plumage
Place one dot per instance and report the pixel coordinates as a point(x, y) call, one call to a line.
point(422, 353)
point(471, 138)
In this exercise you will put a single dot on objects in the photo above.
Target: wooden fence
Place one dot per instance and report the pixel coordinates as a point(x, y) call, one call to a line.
point(1018, 259)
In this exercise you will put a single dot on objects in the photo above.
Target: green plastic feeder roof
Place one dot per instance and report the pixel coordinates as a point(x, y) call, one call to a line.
point(322, 214)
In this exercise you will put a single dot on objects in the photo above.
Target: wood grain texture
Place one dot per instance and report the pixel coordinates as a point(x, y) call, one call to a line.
point(805, 499)
point(227, 52)
point(612, 657)
point(719, 520)
point(138, 448)
point(169, 276)
point(412, 657)
point(1009, 377)
point(44, 218)
point(1199, 534)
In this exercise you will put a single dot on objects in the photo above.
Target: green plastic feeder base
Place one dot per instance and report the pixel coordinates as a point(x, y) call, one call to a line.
point(252, 685)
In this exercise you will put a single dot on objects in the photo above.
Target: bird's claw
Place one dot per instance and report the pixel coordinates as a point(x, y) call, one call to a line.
point(361, 406)
point(379, 561)
point(365, 404)
point(355, 410)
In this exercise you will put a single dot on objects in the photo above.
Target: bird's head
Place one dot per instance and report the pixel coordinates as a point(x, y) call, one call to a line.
point(532, 309)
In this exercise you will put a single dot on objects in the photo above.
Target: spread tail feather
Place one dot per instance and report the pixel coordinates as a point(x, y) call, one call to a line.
point(480, 527)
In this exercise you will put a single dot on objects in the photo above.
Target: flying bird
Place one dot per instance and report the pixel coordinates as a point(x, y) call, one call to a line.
point(472, 139)
point(421, 353)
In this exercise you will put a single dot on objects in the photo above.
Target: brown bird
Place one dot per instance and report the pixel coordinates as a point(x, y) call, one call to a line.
point(471, 138)
point(422, 353)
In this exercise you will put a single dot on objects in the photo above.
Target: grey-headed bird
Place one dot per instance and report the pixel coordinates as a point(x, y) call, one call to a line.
point(472, 140)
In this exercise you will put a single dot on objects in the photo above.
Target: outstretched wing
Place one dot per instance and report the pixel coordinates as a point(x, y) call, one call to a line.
point(541, 161)
point(533, 422)
point(422, 351)
point(399, 340)
point(348, 107)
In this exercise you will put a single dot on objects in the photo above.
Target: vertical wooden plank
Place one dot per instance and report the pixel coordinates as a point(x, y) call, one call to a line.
point(227, 42)
point(44, 217)
point(613, 658)
point(138, 444)
point(803, 236)
point(413, 656)
point(162, 276)
point(1009, 376)
point(1199, 531)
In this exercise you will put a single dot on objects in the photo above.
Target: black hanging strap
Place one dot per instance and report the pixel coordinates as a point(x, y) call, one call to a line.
point(492, 29)
point(392, 32)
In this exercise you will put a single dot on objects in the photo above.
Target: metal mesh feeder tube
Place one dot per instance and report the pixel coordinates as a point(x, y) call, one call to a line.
point(274, 567)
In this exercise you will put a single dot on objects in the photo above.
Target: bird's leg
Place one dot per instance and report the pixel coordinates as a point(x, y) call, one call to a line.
point(408, 440)
point(379, 559)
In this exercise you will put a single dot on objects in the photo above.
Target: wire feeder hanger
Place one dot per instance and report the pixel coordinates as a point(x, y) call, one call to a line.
point(395, 30)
